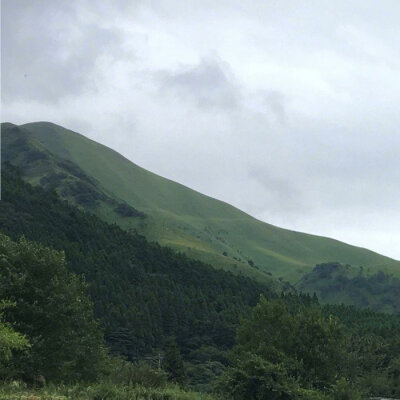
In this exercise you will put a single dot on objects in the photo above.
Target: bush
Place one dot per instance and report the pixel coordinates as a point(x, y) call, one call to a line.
point(141, 373)
point(10, 342)
point(344, 390)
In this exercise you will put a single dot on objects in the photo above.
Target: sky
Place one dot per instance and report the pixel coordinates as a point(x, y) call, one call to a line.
point(288, 110)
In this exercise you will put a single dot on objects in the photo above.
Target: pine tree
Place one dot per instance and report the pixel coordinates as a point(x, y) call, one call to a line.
point(173, 362)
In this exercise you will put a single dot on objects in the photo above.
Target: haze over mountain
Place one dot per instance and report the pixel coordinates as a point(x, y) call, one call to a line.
point(100, 180)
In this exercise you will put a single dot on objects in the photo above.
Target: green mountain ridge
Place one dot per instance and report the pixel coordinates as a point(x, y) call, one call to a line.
point(51, 172)
point(172, 214)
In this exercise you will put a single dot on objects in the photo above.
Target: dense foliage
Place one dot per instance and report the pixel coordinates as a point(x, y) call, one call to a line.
point(52, 310)
point(291, 350)
point(10, 340)
point(372, 347)
point(143, 293)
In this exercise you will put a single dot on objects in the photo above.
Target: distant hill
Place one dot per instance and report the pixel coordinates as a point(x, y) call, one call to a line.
point(99, 179)
point(337, 283)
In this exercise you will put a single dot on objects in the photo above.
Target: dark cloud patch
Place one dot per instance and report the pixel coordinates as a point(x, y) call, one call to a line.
point(280, 192)
point(47, 52)
point(210, 84)
point(275, 102)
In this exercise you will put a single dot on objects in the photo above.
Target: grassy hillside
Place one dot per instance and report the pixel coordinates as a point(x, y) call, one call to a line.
point(177, 216)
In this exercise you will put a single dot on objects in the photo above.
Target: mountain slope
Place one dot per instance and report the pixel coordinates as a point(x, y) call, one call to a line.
point(184, 219)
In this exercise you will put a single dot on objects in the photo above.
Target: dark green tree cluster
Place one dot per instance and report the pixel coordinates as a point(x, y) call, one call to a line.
point(289, 351)
point(51, 309)
point(372, 347)
point(142, 293)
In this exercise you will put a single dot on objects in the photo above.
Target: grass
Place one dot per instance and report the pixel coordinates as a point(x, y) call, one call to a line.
point(197, 224)
point(99, 391)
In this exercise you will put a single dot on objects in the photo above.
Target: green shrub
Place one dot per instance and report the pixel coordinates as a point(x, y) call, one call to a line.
point(124, 372)
point(345, 390)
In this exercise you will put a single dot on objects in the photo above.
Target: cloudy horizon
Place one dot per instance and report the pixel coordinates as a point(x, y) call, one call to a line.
point(286, 110)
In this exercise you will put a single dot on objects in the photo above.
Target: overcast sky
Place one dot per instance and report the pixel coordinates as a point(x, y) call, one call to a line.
point(287, 109)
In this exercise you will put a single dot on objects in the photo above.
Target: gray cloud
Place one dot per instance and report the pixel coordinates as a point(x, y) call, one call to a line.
point(281, 192)
point(275, 101)
point(210, 84)
point(47, 51)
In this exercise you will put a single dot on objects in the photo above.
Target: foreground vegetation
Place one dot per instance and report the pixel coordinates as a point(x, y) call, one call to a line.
point(291, 349)
point(98, 391)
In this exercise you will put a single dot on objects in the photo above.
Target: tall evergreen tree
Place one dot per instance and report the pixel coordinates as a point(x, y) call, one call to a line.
point(173, 362)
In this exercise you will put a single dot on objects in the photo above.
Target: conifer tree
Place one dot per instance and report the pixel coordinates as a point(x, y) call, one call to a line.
point(173, 362)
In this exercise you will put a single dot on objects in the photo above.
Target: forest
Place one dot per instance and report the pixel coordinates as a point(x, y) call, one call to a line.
point(90, 311)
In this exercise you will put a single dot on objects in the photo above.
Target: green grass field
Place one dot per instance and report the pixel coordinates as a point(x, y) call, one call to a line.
point(189, 221)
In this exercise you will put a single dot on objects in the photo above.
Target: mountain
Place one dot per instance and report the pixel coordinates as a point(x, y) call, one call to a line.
point(101, 180)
